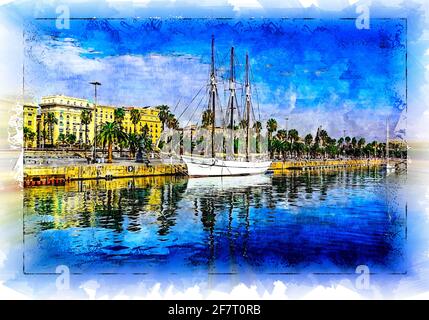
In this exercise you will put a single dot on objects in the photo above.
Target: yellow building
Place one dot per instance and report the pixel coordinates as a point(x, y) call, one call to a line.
point(149, 118)
point(67, 112)
point(30, 121)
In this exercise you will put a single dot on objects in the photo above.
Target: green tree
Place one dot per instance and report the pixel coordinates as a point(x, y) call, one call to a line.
point(271, 128)
point(207, 119)
point(293, 138)
point(308, 140)
point(243, 124)
point(172, 122)
point(29, 136)
point(163, 114)
point(135, 117)
point(85, 119)
point(110, 134)
point(62, 139)
point(119, 115)
point(51, 120)
point(134, 141)
point(70, 138)
point(257, 126)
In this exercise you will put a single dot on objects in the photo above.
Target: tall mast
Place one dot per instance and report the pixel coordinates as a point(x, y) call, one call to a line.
point(387, 140)
point(212, 100)
point(247, 85)
point(231, 99)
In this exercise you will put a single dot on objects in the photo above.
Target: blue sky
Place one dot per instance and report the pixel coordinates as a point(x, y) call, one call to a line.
point(315, 72)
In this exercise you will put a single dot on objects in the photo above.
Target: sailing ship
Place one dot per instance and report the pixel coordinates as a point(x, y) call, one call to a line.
point(228, 163)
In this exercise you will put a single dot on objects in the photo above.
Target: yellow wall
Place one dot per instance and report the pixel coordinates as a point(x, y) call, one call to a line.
point(67, 110)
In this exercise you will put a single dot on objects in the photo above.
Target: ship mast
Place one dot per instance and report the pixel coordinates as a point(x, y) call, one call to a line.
point(387, 141)
point(231, 99)
point(248, 105)
point(212, 99)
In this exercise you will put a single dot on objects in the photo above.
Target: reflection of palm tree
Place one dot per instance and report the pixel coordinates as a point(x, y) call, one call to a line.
point(208, 218)
point(170, 197)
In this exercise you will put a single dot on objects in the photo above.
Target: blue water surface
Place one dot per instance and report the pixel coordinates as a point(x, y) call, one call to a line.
point(318, 222)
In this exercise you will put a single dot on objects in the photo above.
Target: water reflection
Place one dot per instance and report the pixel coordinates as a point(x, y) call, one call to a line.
point(319, 221)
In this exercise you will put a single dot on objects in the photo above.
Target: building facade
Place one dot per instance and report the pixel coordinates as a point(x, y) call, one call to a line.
point(60, 114)
point(30, 114)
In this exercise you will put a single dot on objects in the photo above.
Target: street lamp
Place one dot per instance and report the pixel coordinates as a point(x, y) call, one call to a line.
point(94, 152)
point(287, 129)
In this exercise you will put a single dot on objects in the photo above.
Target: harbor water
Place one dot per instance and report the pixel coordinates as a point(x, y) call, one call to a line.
point(313, 221)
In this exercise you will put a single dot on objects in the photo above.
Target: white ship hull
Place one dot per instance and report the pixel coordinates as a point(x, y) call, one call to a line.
point(210, 167)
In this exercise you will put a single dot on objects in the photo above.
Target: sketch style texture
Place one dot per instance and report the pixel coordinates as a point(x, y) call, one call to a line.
point(215, 146)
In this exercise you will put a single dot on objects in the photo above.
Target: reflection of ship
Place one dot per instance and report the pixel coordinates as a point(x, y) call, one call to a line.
point(231, 163)
point(207, 184)
point(388, 166)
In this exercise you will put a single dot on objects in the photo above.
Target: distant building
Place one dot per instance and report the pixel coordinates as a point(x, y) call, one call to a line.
point(67, 112)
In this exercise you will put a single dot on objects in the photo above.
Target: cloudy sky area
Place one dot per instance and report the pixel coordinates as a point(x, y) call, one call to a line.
point(316, 72)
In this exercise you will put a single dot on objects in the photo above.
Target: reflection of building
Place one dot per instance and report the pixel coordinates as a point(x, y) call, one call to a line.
point(67, 112)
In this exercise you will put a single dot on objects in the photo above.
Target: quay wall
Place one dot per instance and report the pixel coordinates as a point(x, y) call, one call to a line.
point(323, 164)
point(58, 175)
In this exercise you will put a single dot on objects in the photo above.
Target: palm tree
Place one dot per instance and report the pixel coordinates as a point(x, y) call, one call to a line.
point(258, 128)
point(119, 115)
point(163, 114)
point(85, 119)
point(172, 122)
point(28, 136)
point(361, 143)
point(207, 119)
point(243, 124)
point(323, 137)
point(281, 135)
point(271, 127)
point(308, 140)
point(293, 137)
point(51, 120)
point(134, 142)
point(109, 134)
point(135, 116)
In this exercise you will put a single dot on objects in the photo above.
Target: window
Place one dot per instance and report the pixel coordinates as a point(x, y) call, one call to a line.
point(30, 114)
point(29, 122)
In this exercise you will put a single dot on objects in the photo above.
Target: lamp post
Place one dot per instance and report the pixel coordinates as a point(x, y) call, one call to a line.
point(94, 152)
point(287, 129)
